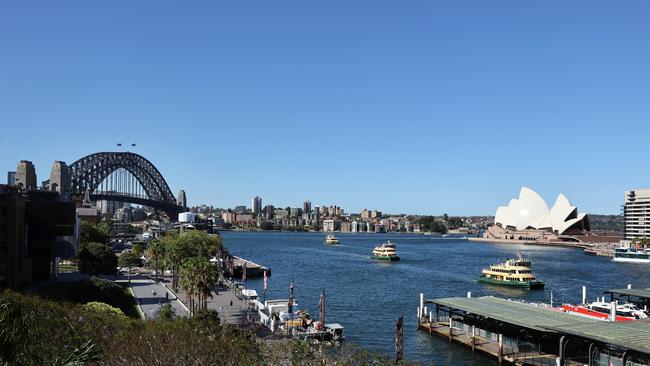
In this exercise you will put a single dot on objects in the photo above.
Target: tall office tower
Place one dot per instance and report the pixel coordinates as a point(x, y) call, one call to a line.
point(26, 175)
point(306, 207)
point(256, 206)
point(182, 198)
point(60, 177)
point(11, 178)
point(636, 212)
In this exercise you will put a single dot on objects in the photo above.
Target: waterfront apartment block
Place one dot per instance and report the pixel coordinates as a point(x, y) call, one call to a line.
point(636, 212)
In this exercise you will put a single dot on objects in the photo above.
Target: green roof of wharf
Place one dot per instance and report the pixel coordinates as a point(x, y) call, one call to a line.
point(642, 293)
point(513, 312)
point(632, 335)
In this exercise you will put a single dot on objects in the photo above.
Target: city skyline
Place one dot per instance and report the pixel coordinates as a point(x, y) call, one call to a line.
point(419, 108)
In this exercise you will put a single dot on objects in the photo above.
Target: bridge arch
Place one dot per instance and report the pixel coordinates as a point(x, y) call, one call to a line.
point(89, 172)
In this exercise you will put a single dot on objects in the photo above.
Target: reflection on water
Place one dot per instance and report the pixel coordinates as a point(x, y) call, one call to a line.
point(367, 296)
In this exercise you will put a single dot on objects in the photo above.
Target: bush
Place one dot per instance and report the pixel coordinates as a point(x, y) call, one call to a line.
point(129, 259)
point(96, 258)
point(102, 308)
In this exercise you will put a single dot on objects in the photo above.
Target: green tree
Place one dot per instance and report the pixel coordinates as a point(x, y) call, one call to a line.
point(96, 258)
point(179, 247)
point(197, 276)
point(156, 253)
point(129, 259)
point(455, 222)
point(89, 233)
point(137, 250)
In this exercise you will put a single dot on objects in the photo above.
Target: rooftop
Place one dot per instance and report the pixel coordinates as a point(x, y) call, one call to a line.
point(634, 335)
point(513, 312)
point(637, 292)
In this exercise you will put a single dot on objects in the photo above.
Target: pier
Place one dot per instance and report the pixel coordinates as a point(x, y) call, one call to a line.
point(252, 269)
point(518, 333)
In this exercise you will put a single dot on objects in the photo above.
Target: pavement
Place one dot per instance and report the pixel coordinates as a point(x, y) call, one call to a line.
point(151, 296)
point(231, 309)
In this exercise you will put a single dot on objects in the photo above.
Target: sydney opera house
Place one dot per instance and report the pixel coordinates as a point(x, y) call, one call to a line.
point(528, 218)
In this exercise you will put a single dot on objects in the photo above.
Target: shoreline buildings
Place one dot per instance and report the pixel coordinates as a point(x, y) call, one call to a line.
point(636, 214)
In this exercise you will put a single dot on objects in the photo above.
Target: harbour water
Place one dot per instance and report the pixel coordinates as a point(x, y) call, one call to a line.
point(367, 296)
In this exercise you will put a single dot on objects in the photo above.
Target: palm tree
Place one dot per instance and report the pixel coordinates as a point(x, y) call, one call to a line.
point(155, 252)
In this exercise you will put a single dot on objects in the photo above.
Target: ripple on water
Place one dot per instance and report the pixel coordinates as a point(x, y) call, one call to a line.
point(368, 296)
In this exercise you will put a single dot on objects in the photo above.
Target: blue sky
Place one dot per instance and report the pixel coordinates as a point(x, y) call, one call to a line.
point(402, 106)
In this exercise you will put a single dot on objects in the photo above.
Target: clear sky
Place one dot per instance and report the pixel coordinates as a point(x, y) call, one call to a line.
point(403, 106)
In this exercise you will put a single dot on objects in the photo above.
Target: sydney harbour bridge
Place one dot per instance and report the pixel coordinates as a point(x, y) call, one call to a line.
point(123, 177)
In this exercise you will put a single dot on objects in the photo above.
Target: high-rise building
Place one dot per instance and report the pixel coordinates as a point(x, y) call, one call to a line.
point(306, 207)
point(11, 178)
point(636, 213)
point(269, 211)
point(26, 175)
point(256, 206)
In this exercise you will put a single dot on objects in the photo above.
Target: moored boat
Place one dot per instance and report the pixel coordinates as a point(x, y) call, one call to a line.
point(514, 272)
point(632, 255)
point(331, 240)
point(602, 310)
point(387, 252)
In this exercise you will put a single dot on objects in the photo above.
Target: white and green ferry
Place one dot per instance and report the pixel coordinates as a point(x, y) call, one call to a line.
point(514, 272)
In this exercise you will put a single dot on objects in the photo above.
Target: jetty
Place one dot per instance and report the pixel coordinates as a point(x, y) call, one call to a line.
point(252, 269)
point(519, 333)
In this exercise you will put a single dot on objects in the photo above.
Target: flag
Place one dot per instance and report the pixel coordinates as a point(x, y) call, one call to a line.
point(399, 339)
point(266, 282)
point(243, 272)
point(321, 307)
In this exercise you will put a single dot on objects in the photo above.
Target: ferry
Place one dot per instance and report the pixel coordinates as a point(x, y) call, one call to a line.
point(331, 240)
point(387, 252)
point(513, 272)
point(601, 310)
point(633, 255)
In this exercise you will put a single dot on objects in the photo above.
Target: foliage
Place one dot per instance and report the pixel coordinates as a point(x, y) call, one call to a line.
point(96, 258)
point(52, 333)
point(102, 307)
point(455, 222)
point(82, 292)
point(137, 250)
point(179, 247)
point(268, 226)
point(129, 259)
point(197, 276)
point(89, 233)
point(166, 312)
point(156, 254)
point(429, 223)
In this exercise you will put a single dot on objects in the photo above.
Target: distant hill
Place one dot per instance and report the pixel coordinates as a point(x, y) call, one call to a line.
point(606, 223)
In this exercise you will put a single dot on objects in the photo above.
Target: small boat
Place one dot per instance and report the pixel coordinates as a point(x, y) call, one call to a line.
point(602, 310)
point(331, 240)
point(386, 252)
point(632, 255)
point(514, 272)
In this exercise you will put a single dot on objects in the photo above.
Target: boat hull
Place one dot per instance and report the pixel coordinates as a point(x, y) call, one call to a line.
point(530, 285)
point(631, 260)
point(385, 257)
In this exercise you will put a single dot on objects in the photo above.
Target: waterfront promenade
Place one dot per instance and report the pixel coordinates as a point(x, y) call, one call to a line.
point(224, 300)
point(151, 296)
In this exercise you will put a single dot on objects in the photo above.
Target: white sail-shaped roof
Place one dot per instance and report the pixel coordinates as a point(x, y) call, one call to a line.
point(531, 211)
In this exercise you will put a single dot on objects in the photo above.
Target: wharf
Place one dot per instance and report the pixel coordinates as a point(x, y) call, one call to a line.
point(252, 269)
point(521, 333)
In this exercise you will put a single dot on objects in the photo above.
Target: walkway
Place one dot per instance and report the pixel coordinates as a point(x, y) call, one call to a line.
point(151, 296)
point(229, 314)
